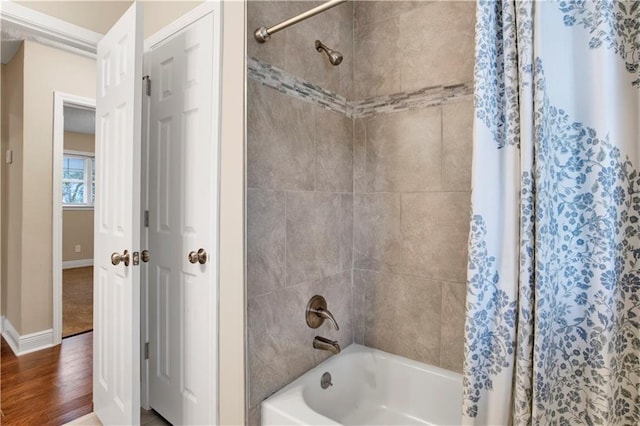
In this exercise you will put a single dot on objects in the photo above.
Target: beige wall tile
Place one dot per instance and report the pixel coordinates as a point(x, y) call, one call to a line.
point(335, 29)
point(359, 281)
point(457, 146)
point(404, 151)
point(253, 419)
point(377, 232)
point(280, 140)
point(453, 317)
point(402, 315)
point(313, 236)
point(267, 13)
point(435, 229)
point(345, 46)
point(334, 151)
point(338, 293)
point(372, 12)
point(279, 340)
point(437, 42)
point(359, 155)
point(346, 232)
point(266, 241)
point(293, 49)
point(377, 58)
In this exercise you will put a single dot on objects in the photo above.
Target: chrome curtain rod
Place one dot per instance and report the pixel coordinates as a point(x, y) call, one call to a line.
point(263, 34)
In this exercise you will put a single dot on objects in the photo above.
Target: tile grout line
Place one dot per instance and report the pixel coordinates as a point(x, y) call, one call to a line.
point(364, 183)
point(441, 148)
point(315, 150)
point(421, 277)
point(306, 281)
point(461, 191)
point(441, 323)
point(340, 231)
point(353, 199)
point(286, 275)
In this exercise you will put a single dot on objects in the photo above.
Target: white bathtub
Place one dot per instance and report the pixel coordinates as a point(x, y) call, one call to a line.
point(370, 387)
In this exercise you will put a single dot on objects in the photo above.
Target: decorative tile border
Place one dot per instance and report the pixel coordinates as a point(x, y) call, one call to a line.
point(423, 98)
point(291, 85)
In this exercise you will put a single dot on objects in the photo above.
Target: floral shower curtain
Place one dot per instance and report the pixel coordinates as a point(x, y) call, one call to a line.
point(552, 332)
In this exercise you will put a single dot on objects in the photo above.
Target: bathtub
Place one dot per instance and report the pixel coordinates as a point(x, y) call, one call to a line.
point(369, 387)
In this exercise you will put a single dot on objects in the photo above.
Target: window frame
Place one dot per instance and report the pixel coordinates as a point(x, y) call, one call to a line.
point(89, 160)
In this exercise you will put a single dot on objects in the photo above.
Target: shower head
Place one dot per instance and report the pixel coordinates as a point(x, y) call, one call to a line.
point(335, 57)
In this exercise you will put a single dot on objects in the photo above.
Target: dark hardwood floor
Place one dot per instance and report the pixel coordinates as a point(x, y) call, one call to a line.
point(47, 387)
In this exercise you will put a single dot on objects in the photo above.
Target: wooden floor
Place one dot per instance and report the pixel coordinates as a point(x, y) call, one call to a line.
point(47, 387)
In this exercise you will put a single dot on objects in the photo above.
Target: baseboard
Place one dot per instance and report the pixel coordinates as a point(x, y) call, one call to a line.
point(10, 335)
point(21, 345)
point(77, 263)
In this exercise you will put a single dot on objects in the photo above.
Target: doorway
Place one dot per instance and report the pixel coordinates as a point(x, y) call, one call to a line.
point(73, 199)
point(78, 196)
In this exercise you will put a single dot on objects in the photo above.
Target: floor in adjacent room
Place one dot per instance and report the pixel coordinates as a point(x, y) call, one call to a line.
point(77, 301)
point(53, 386)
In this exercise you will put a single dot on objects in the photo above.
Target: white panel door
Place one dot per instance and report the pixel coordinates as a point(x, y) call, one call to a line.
point(116, 337)
point(183, 147)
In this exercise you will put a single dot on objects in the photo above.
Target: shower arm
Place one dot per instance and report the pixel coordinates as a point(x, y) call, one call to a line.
point(263, 34)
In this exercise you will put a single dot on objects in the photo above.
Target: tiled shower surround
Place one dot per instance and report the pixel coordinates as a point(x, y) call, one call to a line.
point(362, 193)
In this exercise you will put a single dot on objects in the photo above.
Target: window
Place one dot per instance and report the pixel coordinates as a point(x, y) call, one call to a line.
point(78, 180)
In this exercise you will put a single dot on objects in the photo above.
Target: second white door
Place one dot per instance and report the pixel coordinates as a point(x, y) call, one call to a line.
point(182, 228)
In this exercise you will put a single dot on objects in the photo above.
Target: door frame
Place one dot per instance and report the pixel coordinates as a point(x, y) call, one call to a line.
point(60, 100)
point(206, 8)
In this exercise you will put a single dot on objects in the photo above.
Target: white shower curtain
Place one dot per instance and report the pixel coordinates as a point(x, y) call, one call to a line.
point(552, 332)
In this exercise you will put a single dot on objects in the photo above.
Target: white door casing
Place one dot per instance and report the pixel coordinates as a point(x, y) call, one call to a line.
point(183, 216)
point(116, 350)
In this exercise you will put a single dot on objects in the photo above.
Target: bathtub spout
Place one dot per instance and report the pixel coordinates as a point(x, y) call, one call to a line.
point(326, 345)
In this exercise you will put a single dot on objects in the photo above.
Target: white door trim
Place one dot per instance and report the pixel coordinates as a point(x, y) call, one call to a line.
point(185, 20)
point(60, 100)
point(25, 23)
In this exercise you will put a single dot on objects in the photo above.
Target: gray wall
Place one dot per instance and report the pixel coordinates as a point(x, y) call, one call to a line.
point(372, 213)
point(411, 210)
point(299, 213)
point(412, 181)
point(292, 50)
